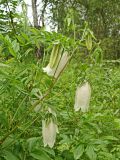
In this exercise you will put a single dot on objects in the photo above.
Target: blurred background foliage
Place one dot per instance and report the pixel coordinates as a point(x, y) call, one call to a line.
point(102, 16)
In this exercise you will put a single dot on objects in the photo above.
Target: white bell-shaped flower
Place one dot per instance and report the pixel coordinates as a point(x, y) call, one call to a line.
point(50, 71)
point(49, 130)
point(82, 98)
point(63, 61)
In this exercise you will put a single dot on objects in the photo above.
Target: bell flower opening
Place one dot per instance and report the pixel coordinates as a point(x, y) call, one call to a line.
point(50, 71)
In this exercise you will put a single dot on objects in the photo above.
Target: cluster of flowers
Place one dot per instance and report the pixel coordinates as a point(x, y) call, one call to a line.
point(56, 64)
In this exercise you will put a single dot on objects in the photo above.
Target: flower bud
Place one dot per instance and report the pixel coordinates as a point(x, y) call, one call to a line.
point(54, 60)
point(59, 64)
point(82, 98)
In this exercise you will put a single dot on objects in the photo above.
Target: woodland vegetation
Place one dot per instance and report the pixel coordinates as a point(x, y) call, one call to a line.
point(60, 91)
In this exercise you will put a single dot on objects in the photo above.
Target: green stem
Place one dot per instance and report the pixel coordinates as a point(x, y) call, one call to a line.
point(18, 108)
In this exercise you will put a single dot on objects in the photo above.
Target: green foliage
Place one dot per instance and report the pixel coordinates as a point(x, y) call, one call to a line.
point(23, 87)
point(9, 18)
point(93, 135)
point(111, 48)
point(102, 16)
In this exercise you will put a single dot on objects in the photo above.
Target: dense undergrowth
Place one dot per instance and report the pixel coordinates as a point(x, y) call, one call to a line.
point(94, 135)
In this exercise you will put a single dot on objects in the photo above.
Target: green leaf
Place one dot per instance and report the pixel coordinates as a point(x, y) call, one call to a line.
point(7, 39)
point(78, 151)
point(25, 36)
point(111, 138)
point(4, 65)
point(3, 119)
point(21, 40)
point(28, 51)
point(15, 46)
point(117, 122)
point(12, 52)
point(49, 151)
point(58, 158)
point(90, 152)
point(40, 155)
point(67, 155)
point(32, 142)
point(9, 156)
point(7, 142)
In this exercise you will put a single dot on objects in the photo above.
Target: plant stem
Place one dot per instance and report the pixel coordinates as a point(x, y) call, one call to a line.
point(18, 108)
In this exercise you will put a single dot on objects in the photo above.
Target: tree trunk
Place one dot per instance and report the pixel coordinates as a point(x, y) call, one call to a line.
point(34, 13)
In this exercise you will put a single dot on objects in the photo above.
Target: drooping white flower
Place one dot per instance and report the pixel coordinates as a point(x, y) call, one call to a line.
point(63, 61)
point(50, 71)
point(49, 130)
point(82, 98)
